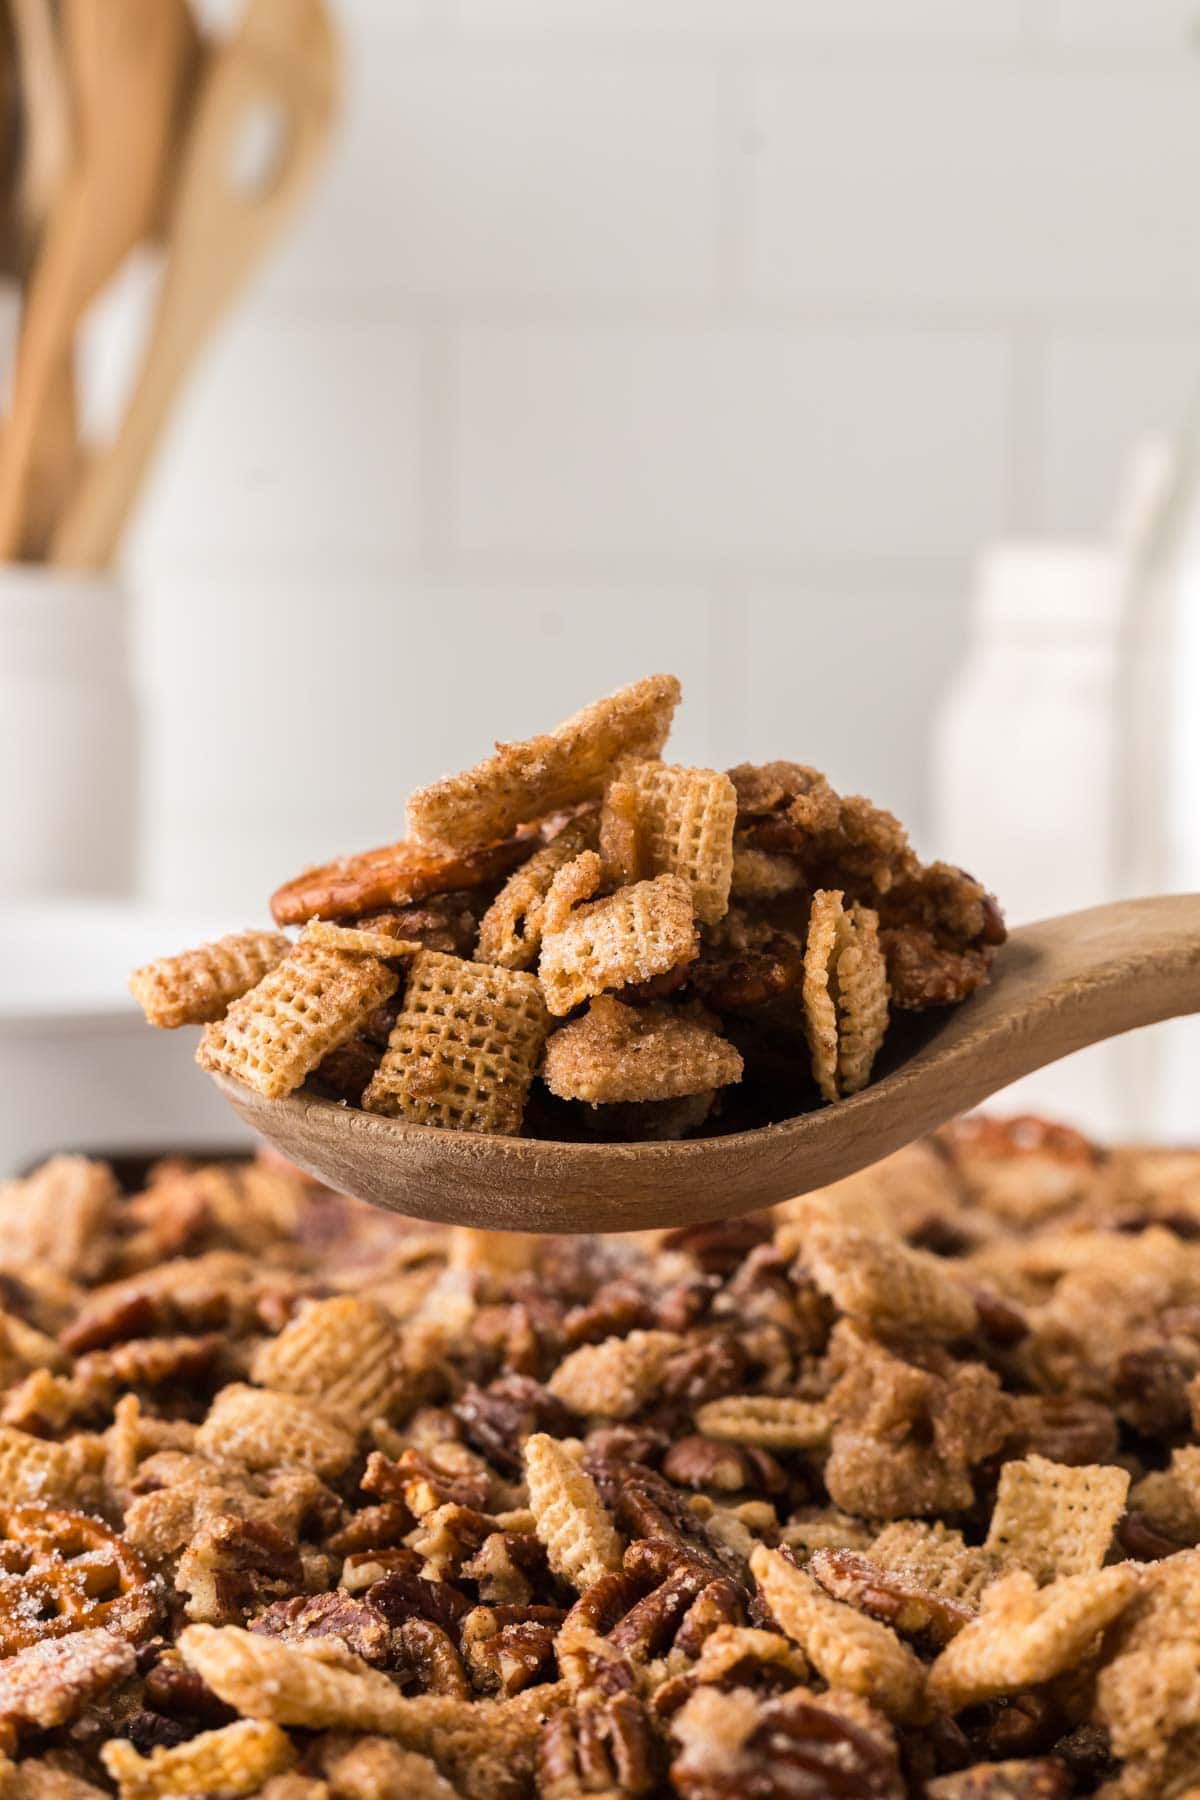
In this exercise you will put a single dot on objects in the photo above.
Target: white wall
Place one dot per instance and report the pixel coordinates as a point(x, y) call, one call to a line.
point(703, 334)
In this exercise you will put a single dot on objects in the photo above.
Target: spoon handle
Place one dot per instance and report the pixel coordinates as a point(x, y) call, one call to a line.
point(1060, 985)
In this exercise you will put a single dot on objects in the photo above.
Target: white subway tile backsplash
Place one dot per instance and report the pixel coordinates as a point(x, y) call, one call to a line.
point(454, 178)
point(298, 435)
point(727, 442)
point(856, 20)
point(982, 187)
point(1103, 392)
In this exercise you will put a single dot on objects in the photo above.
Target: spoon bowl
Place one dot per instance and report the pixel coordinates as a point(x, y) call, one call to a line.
point(1057, 986)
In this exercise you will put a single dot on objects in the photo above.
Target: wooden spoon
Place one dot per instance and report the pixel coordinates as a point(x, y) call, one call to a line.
point(43, 159)
point(128, 62)
point(283, 67)
point(1057, 986)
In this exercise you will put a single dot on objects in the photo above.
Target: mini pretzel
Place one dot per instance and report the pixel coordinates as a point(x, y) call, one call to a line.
point(62, 1572)
point(396, 875)
point(526, 780)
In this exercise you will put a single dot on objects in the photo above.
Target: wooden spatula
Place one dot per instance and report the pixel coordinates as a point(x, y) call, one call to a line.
point(128, 63)
point(281, 68)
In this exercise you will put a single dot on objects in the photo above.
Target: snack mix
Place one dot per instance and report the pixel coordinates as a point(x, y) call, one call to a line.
point(893, 1491)
point(663, 950)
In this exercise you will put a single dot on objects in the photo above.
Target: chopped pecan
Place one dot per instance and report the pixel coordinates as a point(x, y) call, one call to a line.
point(701, 1462)
point(305, 1617)
point(1088, 1755)
point(373, 1528)
point(233, 1565)
point(795, 1746)
point(924, 973)
point(897, 1598)
point(507, 1648)
point(619, 1444)
point(174, 1689)
point(428, 1652)
point(617, 1307)
point(1026, 1725)
point(646, 1506)
point(736, 980)
point(1151, 1389)
point(422, 1484)
point(345, 1072)
point(705, 1371)
point(1001, 1320)
point(720, 1602)
point(719, 1247)
point(400, 1596)
point(602, 1603)
point(650, 1625)
point(498, 1418)
point(1143, 1539)
point(153, 1363)
point(148, 1730)
point(508, 1568)
point(446, 922)
point(1063, 1428)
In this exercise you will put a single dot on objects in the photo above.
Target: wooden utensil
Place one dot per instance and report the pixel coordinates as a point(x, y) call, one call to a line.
point(1057, 986)
point(282, 66)
point(42, 148)
point(45, 112)
point(128, 63)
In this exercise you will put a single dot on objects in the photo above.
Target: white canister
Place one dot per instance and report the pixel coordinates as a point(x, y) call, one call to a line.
point(1025, 752)
point(68, 735)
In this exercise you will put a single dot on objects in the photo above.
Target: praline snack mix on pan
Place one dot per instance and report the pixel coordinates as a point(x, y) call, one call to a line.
point(891, 1492)
point(579, 938)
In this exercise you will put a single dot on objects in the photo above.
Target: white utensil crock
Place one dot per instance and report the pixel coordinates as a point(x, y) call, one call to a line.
point(68, 735)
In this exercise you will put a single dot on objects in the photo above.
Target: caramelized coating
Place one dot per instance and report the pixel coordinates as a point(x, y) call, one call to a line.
point(567, 765)
point(662, 819)
point(510, 932)
point(199, 985)
point(630, 936)
point(464, 1047)
point(620, 1053)
point(310, 1003)
point(327, 1505)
